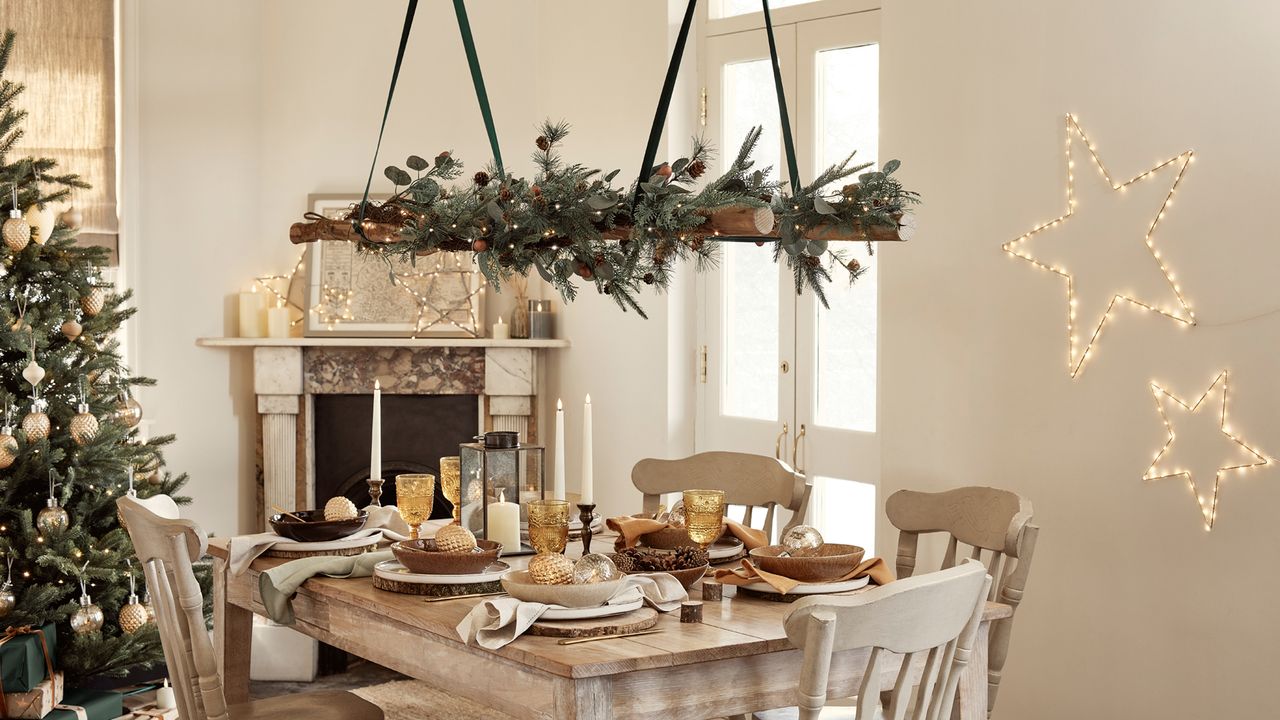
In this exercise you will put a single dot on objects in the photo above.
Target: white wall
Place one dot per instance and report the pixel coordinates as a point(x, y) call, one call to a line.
point(1133, 610)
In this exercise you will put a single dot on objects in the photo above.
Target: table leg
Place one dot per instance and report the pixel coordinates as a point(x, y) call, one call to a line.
point(971, 703)
point(584, 699)
point(232, 637)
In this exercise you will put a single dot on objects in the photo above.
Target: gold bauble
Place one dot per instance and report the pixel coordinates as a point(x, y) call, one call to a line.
point(340, 508)
point(91, 303)
point(8, 599)
point(455, 538)
point(36, 426)
point(129, 412)
point(133, 616)
point(87, 618)
point(551, 569)
point(72, 329)
point(16, 232)
point(8, 447)
point(84, 426)
point(53, 519)
point(71, 217)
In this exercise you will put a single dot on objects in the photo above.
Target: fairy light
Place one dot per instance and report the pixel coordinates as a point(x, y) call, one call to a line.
point(1183, 314)
point(1208, 505)
point(431, 312)
point(268, 283)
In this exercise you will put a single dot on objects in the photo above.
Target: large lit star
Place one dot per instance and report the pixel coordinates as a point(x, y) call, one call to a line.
point(1203, 445)
point(1173, 306)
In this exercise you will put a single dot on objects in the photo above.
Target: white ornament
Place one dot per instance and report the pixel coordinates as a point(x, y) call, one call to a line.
point(33, 373)
point(41, 222)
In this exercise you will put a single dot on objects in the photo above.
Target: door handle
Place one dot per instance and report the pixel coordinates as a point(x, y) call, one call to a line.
point(795, 450)
point(777, 444)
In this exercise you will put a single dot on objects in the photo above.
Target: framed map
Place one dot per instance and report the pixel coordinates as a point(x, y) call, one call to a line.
point(360, 294)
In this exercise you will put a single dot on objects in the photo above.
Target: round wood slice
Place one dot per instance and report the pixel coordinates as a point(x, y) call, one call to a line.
point(407, 588)
point(634, 621)
point(730, 559)
point(337, 552)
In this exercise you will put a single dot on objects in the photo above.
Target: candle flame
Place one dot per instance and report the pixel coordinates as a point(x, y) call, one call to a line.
point(377, 384)
point(539, 307)
point(502, 495)
point(588, 398)
point(559, 405)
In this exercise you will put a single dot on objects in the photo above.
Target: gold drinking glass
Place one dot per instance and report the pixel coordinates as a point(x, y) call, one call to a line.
point(415, 494)
point(548, 525)
point(704, 515)
point(451, 485)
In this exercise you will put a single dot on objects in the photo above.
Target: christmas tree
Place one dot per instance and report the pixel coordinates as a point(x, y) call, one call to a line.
point(70, 443)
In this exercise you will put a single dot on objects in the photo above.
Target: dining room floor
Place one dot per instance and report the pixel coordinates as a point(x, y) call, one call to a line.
point(359, 674)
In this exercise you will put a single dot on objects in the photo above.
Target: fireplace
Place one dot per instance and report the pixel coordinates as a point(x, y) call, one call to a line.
point(417, 430)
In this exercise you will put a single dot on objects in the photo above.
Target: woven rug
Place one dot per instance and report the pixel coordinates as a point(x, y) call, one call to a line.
point(414, 700)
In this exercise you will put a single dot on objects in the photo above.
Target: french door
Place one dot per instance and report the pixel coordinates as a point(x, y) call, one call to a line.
point(783, 374)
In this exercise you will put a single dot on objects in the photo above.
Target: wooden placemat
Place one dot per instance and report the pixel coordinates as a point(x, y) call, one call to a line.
point(409, 588)
point(358, 549)
point(634, 621)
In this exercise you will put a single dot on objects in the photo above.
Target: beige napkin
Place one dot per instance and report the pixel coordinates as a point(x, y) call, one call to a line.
point(278, 585)
point(384, 521)
point(496, 622)
point(630, 529)
point(875, 568)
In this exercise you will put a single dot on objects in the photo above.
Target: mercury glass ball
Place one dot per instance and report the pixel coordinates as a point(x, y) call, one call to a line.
point(802, 540)
point(676, 516)
point(8, 600)
point(53, 519)
point(87, 619)
point(594, 568)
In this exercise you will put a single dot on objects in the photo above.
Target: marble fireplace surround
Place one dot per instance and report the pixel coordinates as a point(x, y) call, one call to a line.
point(288, 374)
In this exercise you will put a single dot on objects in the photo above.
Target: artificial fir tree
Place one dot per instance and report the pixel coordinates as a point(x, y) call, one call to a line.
point(73, 430)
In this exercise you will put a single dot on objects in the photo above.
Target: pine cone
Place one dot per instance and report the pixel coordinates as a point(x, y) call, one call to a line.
point(543, 143)
point(690, 557)
point(625, 561)
point(648, 278)
point(481, 179)
point(696, 168)
point(505, 193)
point(854, 265)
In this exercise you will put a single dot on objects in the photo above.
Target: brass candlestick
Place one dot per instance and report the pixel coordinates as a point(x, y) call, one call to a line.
point(586, 513)
point(375, 492)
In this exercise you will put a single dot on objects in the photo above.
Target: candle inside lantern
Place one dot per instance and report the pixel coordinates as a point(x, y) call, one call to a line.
point(278, 321)
point(501, 331)
point(557, 479)
point(375, 453)
point(502, 523)
point(587, 494)
point(251, 306)
point(540, 319)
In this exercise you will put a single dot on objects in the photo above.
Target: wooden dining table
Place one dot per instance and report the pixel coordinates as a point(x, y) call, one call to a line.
point(736, 661)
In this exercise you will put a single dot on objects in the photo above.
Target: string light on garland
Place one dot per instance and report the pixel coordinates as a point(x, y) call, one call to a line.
point(1182, 313)
point(1208, 501)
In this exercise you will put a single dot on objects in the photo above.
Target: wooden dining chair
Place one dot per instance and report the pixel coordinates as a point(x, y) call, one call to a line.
point(995, 525)
point(754, 481)
point(167, 547)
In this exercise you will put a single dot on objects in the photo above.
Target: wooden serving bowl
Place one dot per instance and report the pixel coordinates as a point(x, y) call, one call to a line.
point(671, 538)
point(314, 527)
point(830, 562)
point(520, 586)
point(421, 556)
point(686, 577)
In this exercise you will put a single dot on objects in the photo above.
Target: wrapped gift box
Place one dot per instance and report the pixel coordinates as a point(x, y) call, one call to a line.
point(22, 661)
point(37, 702)
point(150, 712)
point(80, 704)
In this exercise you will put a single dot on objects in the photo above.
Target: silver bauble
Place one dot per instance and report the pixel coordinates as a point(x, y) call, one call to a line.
point(53, 518)
point(594, 568)
point(87, 618)
point(801, 540)
point(8, 599)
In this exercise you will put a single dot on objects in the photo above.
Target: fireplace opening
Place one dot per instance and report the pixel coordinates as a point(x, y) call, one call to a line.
point(417, 430)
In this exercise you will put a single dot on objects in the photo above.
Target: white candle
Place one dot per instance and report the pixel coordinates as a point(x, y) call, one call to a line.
point(164, 696)
point(375, 454)
point(502, 524)
point(251, 306)
point(278, 321)
point(587, 496)
point(557, 480)
point(501, 331)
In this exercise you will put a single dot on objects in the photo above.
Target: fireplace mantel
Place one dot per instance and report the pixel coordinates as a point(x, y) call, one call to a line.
point(289, 372)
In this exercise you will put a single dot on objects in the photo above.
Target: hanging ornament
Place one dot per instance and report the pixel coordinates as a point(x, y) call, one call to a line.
point(91, 302)
point(146, 603)
point(8, 443)
point(20, 323)
point(41, 221)
point(133, 614)
point(33, 373)
point(130, 493)
point(84, 426)
point(72, 329)
point(35, 424)
point(88, 617)
point(53, 518)
point(72, 218)
point(16, 231)
point(128, 410)
point(8, 598)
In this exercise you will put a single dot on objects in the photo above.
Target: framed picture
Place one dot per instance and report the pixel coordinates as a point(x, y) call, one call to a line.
point(355, 294)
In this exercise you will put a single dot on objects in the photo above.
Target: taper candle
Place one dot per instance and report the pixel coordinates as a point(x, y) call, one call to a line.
point(375, 453)
point(587, 494)
point(557, 480)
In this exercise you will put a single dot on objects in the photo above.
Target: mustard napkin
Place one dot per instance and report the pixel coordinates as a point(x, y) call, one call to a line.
point(630, 529)
point(875, 568)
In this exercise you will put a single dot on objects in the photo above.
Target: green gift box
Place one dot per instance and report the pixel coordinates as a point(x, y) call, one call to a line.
point(80, 704)
point(22, 661)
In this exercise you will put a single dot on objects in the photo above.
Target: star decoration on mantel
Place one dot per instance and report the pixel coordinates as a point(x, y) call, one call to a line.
point(449, 289)
point(1237, 456)
point(1175, 306)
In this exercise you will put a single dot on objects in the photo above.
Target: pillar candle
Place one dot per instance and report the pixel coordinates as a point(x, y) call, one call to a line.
point(557, 480)
point(375, 454)
point(251, 306)
point(501, 331)
point(278, 321)
point(164, 696)
point(587, 495)
point(502, 523)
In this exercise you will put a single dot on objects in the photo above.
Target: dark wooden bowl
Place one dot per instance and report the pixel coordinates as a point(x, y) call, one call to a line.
point(316, 528)
point(832, 561)
point(421, 556)
point(670, 538)
point(686, 577)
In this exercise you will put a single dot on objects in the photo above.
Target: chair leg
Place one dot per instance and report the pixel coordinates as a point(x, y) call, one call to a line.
point(819, 641)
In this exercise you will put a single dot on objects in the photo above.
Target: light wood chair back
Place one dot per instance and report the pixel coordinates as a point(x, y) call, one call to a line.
point(933, 616)
point(996, 527)
point(755, 481)
point(167, 547)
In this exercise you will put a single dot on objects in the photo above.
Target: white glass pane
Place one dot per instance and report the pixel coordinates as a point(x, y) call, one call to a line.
point(729, 8)
point(845, 512)
point(749, 283)
point(847, 120)
point(750, 100)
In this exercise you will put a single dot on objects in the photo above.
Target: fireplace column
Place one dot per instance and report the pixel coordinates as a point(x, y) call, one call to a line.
point(277, 381)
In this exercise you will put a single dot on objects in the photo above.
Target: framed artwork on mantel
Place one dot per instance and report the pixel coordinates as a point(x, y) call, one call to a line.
point(357, 294)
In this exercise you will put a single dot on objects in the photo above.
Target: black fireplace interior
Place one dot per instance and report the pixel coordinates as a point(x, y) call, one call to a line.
point(417, 430)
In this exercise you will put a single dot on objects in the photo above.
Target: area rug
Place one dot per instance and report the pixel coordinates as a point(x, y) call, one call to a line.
point(414, 700)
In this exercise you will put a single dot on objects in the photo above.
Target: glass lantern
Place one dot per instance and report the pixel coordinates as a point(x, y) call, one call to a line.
point(499, 477)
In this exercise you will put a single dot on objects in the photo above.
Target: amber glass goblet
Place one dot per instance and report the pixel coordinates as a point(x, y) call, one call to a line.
point(548, 525)
point(415, 495)
point(451, 484)
point(704, 515)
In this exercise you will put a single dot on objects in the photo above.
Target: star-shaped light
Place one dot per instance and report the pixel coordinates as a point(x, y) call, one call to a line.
point(1179, 310)
point(1245, 457)
point(438, 305)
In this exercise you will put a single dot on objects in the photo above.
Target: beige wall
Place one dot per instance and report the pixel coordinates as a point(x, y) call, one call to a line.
point(1133, 610)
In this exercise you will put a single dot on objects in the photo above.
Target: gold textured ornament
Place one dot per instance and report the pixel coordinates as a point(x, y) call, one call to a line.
point(35, 425)
point(551, 569)
point(72, 329)
point(133, 614)
point(455, 538)
point(128, 411)
point(93, 301)
point(340, 508)
point(16, 231)
point(8, 447)
point(84, 426)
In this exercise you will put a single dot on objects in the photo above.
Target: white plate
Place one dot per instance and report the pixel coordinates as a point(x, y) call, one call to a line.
point(719, 550)
point(286, 545)
point(813, 588)
point(393, 570)
point(559, 613)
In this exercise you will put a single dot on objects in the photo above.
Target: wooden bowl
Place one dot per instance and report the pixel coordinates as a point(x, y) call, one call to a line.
point(686, 577)
point(832, 561)
point(671, 538)
point(421, 556)
point(519, 585)
point(315, 528)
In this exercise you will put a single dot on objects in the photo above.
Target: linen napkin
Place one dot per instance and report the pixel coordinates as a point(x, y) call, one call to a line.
point(279, 584)
point(496, 622)
point(875, 568)
point(630, 529)
point(384, 521)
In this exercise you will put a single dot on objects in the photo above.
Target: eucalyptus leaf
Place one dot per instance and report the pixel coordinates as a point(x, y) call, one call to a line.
point(611, 176)
point(791, 246)
point(891, 166)
point(604, 271)
point(679, 165)
point(817, 247)
point(542, 270)
point(823, 207)
point(495, 211)
point(757, 178)
point(397, 176)
point(651, 188)
point(601, 202)
point(417, 163)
